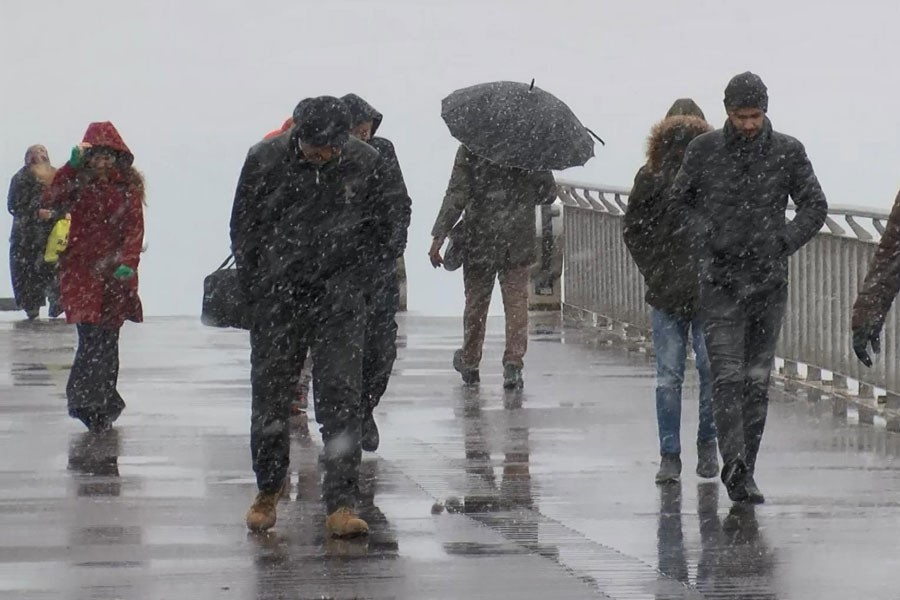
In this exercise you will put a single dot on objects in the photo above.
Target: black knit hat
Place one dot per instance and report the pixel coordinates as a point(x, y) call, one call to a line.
point(322, 121)
point(746, 90)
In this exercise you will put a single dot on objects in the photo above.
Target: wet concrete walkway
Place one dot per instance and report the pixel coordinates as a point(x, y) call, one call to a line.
point(549, 493)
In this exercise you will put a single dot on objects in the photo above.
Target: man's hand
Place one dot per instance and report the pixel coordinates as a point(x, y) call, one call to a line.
point(434, 253)
point(45, 214)
point(862, 338)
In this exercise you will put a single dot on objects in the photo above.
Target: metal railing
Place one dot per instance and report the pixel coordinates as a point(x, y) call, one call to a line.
point(600, 278)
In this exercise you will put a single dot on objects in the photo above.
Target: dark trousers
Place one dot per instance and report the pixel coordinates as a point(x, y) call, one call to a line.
point(381, 336)
point(334, 332)
point(33, 280)
point(91, 390)
point(741, 336)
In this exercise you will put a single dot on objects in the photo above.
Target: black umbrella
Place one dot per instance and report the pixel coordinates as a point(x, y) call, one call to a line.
point(517, 125)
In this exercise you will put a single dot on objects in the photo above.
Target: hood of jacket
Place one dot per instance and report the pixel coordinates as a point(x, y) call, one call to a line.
point(361, 111)
point(670, 138)
point(104, 134)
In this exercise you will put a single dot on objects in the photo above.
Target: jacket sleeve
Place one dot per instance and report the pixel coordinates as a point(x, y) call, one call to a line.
point(16, 201)
point(637, 228)
point(882, 282)
point(133, 234)
point(459, 192)
point(247, 241)
point(398, 202)
point(810, 201)
point(546, 187)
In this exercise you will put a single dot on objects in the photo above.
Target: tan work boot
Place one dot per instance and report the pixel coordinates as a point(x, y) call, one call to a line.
point(261, 515)
point(343, 523)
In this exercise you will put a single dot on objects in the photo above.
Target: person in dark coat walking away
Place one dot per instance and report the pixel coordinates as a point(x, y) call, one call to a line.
point(104, 194)
point(308, 228)
point(881, 286)
point(499, 238)
point(730, 196)
point(383, 299)
point(669, 266)
point(33, 280)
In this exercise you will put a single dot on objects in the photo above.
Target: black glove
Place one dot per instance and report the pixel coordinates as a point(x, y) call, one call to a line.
point(862, 337)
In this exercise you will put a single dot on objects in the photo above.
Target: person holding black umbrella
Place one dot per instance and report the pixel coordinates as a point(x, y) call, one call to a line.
point(512, 136)
point(499, 233)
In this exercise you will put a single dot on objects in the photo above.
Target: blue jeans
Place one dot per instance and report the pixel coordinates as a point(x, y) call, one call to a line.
point(670, 341)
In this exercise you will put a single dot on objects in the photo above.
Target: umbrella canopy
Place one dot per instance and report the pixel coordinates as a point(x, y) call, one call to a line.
point(517, 125)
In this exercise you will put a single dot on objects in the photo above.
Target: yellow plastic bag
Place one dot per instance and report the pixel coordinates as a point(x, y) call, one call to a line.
point(58, 240)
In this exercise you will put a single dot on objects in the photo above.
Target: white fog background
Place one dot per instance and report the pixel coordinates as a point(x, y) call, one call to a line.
point(192, 84)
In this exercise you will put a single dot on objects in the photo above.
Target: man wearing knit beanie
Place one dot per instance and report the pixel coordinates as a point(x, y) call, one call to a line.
point(730, 195)
point(308, 227)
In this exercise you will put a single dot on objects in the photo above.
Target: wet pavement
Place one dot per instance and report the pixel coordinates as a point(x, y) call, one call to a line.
point(474, 493)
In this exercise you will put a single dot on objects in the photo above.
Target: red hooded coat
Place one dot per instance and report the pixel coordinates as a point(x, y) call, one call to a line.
point(107, 230)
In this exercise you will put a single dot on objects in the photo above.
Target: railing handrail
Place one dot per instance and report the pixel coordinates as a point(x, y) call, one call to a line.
point(836, 212)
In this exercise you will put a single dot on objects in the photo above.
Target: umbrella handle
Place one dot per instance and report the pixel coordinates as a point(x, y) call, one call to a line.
point(596, 136)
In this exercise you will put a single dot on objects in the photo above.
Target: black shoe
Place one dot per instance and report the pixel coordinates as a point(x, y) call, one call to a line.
point(470, 376)
point(754, 496)
point(669, 469)
point(32, 313)
point(370, 437)
point(99, 424)
point(512, 377)
point(734, 476)
point(707, 459)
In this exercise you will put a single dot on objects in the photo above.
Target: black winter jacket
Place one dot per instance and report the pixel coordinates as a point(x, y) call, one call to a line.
point(400, 209)
point(665, 257)
point(300, 229)
point(731, 195)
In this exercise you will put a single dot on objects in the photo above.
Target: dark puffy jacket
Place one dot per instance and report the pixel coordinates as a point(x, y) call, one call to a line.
point(305, 230)
point(882, 281)
point(731, 195)
point(666, 259)
point(400, 210)
point(499, 203)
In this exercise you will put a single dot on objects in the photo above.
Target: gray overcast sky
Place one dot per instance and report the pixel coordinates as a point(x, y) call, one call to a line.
point(192, 84)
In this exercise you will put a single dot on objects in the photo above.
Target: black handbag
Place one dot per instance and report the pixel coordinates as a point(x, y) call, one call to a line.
point(223, 302)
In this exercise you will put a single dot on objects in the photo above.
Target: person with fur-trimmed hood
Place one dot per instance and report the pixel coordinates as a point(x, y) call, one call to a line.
point(669, 267)
point(383, 300)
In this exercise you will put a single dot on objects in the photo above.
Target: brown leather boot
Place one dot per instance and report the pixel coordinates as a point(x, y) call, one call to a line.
point(344, 523)
point(261, 515)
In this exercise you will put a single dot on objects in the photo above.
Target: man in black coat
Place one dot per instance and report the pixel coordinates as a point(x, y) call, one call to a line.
point(383, 299)
point(732, 192)
point(308, 227)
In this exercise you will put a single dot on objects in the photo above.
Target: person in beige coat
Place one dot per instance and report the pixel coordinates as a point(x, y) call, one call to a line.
point(498, 234)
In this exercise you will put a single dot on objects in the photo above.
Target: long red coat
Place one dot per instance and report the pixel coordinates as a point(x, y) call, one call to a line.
point(107, 230)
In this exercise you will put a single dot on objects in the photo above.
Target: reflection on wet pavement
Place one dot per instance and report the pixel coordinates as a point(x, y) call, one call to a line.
point(475, 493)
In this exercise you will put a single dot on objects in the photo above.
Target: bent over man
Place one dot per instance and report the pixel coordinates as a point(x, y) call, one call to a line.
point(307, 225)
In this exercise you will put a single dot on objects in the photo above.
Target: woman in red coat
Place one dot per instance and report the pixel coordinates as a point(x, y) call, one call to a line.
point(104, 194)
